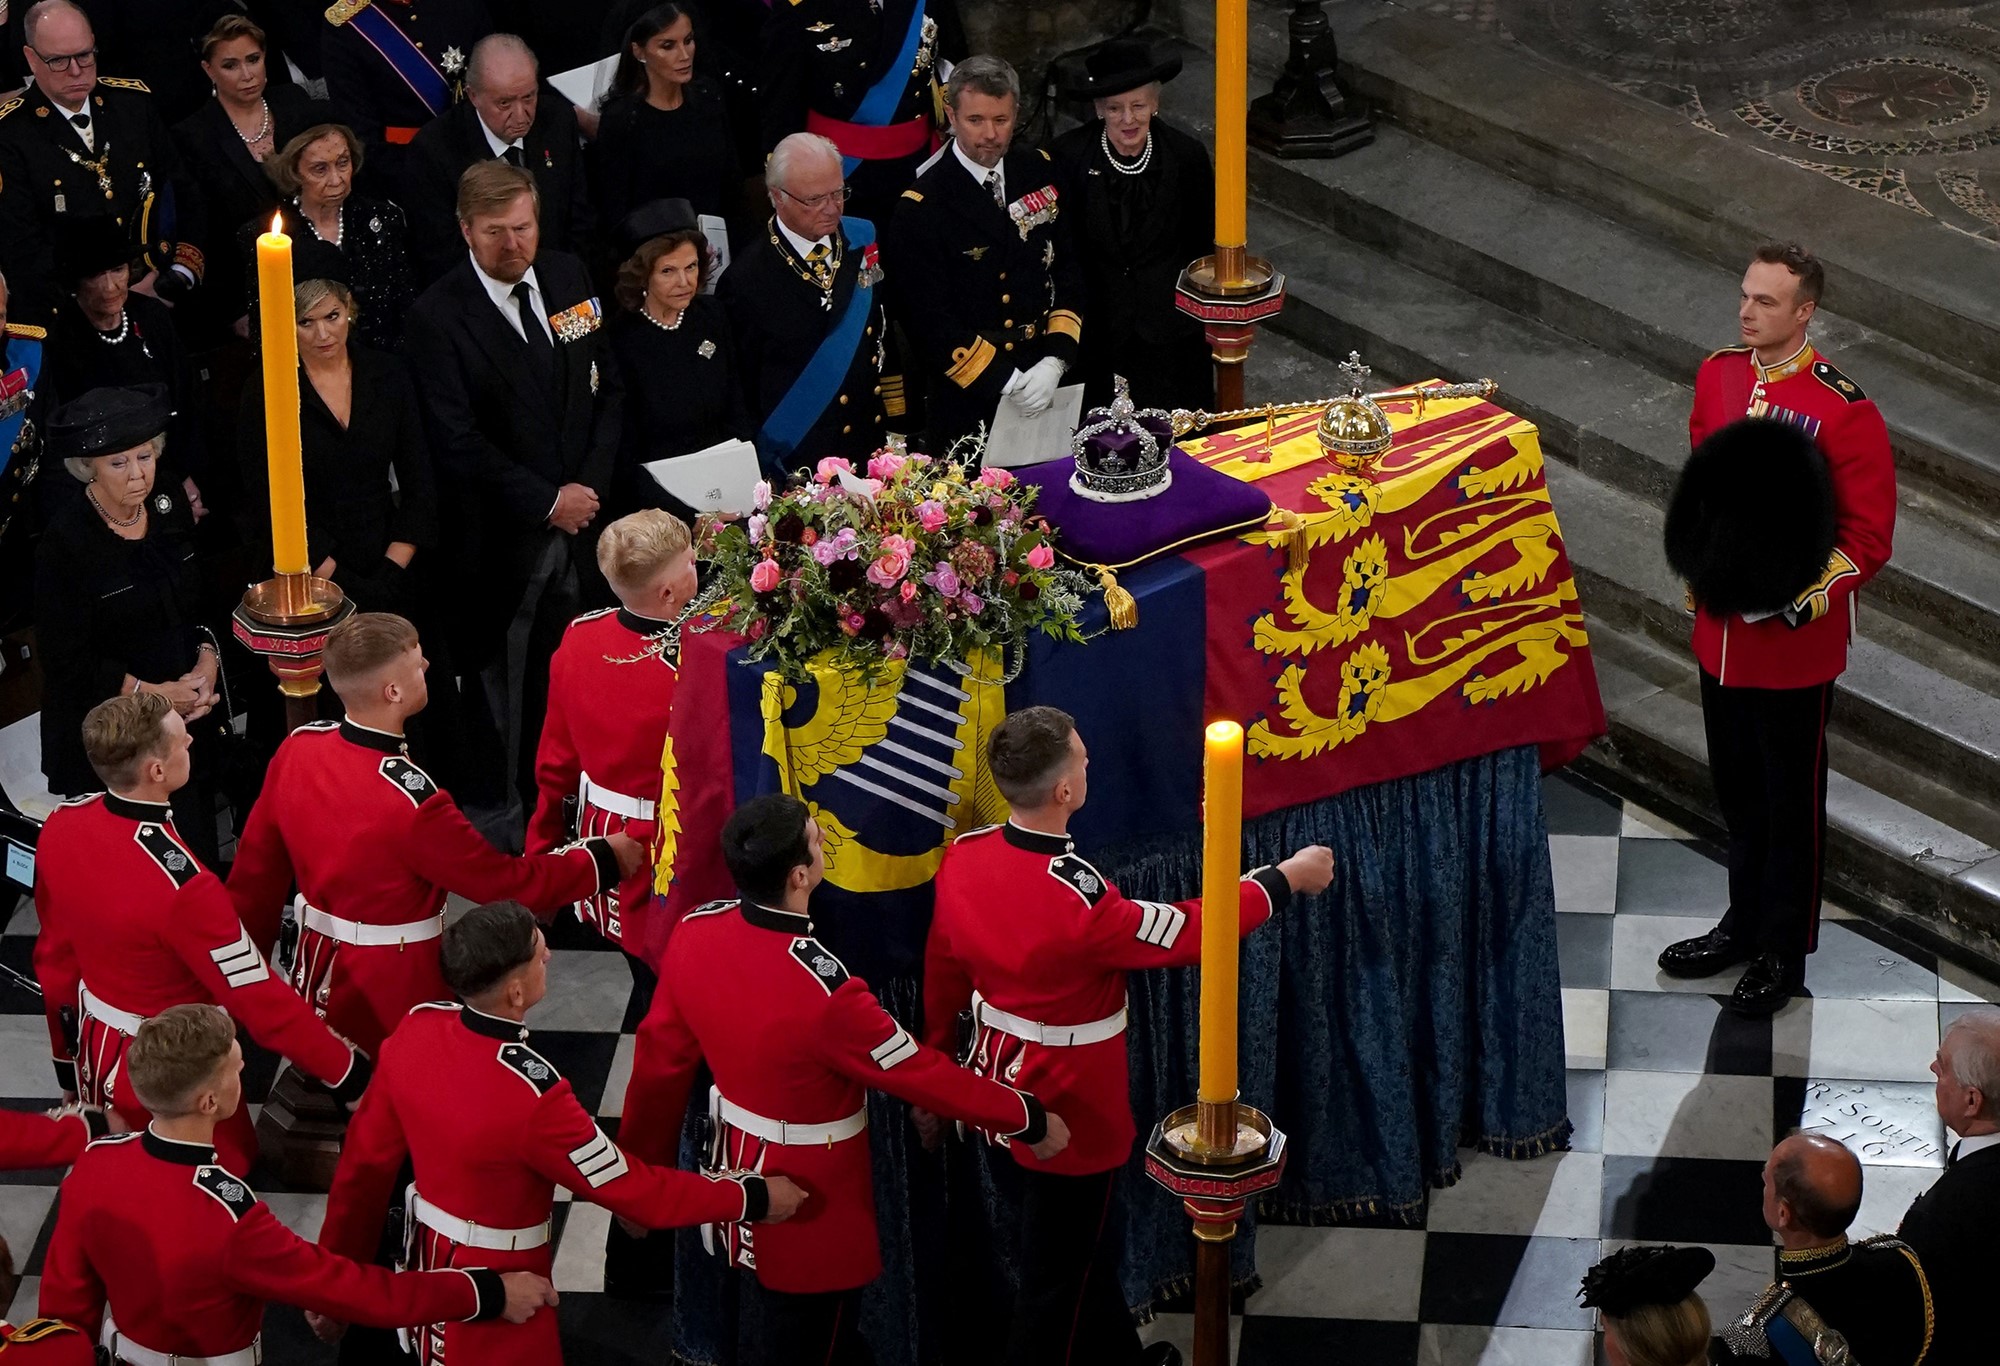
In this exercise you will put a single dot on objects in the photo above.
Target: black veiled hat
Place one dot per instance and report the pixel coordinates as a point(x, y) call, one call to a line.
point(1638, 1276)
point(91, 246)
point(1121, 64)
point(656, 219)
point(105, 421)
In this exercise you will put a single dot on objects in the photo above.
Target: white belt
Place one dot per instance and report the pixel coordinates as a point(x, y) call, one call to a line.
point(124, 1349)
point(778, 1131)
point(617, 803)
point(124, 1021)
point(1048, 1035)
point(468, 1234)
point(368, 936)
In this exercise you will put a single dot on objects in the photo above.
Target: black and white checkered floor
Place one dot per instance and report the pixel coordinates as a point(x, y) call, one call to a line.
point(1675, 1105)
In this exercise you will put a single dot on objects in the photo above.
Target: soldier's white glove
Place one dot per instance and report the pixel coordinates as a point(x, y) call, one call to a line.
point(1038, 385)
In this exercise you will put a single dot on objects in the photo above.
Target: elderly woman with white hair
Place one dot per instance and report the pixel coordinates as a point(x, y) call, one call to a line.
point(1139, 195)
point(118, 604)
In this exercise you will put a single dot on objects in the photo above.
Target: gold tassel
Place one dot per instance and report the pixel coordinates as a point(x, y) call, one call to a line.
point(1118, 601)
point(1291, 534)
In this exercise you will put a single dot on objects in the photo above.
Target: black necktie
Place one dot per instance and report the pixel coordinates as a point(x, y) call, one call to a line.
point(514, 158)
point(1952, 1159)
point(993, 186)
point(539, 345)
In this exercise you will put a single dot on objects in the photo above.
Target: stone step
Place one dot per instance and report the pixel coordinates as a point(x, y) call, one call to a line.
point(1611, 417)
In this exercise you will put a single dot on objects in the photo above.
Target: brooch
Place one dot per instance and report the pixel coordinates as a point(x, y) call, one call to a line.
point(1033, 209)
point(375, 226)
point(452, 62)
point(821, 27)
point(871, 267)
point(835, 44)
point(574, 324)
point(706, 350)
point(163, 504)
point(593, 379)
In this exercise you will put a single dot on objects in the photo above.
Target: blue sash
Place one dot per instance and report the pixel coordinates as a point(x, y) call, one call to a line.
point(1789, 1343)
point(426, 82)
point(816, 385)
point(878, 106)
point(24, 354)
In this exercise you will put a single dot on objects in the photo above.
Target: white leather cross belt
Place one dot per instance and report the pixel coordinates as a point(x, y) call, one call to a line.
point(468, 1234)
point(124, 1021)
point(604, 799)
point(786, 1135)
point(1048, 1035)
point(368, 936)
point(124, 1349)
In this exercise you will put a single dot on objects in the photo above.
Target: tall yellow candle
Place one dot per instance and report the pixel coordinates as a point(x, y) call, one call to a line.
point(1221, 870)
point(1232, 103)
point(279, 332)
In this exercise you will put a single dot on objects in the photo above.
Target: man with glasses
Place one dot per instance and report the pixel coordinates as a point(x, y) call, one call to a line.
point(77, 146)
point(807, 317)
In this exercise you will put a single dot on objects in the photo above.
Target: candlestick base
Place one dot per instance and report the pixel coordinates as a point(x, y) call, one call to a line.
point(1214, 1185)
point(285, 620)
point(1306, 114)
point(1230, 292)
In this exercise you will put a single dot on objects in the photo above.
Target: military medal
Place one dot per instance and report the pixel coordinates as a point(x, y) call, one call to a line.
point(1033, 209)
point(452, 62)
point(574, 324)
point(835, 44)
point(871, 267)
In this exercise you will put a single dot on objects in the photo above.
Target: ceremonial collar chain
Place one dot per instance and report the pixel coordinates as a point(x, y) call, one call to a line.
point(819, 274)
point(99, 165)
point(1802, 1261)
point(1127, 167)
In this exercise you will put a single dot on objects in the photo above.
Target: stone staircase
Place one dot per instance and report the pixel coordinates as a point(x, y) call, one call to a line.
point(1584, 249)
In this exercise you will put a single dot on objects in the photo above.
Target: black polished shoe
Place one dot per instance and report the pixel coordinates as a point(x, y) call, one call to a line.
point(1765, 986)
point(1162, 1354)
point(1704, 957)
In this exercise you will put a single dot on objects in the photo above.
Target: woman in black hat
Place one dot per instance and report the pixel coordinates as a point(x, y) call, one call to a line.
point(682, 390)
point(108, 337)
point(118, 604)
point(1139, 195)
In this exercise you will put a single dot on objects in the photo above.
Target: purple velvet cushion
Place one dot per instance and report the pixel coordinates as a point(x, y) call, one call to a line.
point(1199, 505)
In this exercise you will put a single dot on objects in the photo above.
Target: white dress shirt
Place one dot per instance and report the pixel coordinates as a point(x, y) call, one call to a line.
point(499, 146)
point(1966, 1147)
point(803, 246)
point(502, 295)
point(979, 173)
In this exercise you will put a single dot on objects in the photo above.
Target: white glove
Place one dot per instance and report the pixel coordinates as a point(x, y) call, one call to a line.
point(1038, 386)
point(1013, 384)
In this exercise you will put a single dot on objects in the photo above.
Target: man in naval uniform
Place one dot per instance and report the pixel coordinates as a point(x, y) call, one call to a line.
point(22, 408)
point(979, 264)
point(1833, 1301)
point(1767, 684)
point(76, 146)
point(864, 74)
point(393, 66)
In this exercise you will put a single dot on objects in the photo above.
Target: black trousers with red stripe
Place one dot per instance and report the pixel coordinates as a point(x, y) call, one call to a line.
point(1767, 755)
point(1069, 1310)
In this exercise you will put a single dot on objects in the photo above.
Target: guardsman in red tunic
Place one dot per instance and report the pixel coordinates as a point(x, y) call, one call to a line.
point(55, 1139)
point(1036, 943)
point(793, 1043)
point(132, 924)
point(165, 1257)
point(374, 845)
point(611, 694)
point(491, 1129)
point(1767, 685)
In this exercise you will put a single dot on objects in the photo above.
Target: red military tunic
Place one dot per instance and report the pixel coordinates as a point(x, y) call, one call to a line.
point(32, 1140)
point(183, 1256)
point(374, 845)
point(491, 1129)
point(611, 694)
point(1810, 393)
point(45, 1342)
point(791, 1038)
point(1044, 937)
point(131, 924)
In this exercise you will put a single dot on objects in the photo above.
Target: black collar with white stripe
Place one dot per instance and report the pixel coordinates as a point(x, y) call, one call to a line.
point(174, 1150)
point(645, 626)
point(370, 738)
point(156, 813)
point(492, 1026)
point(1037, 841)
point(771, 918)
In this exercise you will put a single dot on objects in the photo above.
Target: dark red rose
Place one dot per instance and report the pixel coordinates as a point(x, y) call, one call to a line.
point(844, 576)
point(981, 515)
point(1029, 590)
point(875, 624)
point(790, 527)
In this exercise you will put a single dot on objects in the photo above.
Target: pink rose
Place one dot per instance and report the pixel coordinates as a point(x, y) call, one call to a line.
point(973, 603)
point(945, 579)
point(892, 544)
point(764, 577)
point(760, 495)
point(994, 477)
point(897, 650)
point(908, 590)
point(1041, 557)
point(831, 468)
point(758, 523)
point(889, 566)
point(885, 465)
point(932, 515)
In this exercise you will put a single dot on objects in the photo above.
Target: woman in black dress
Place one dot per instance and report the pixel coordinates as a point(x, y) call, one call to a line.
point(1139, 196)
point(224, 146)
point(665, 131)
point(682, 391)
point(118, 599)
point(369, 238)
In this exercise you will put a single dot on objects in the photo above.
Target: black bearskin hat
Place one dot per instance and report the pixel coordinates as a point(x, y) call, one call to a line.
point(1750, 525)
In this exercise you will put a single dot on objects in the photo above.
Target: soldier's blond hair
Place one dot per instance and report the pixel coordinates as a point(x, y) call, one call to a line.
point(175, 1054)
point(633, 550)
point(121, 733)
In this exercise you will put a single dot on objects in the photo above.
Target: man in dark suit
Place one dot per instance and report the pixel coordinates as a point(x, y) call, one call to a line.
point(807, 318)
point(521, 396)
point(980, 268)
point(1951, 1224)
point(503, 116)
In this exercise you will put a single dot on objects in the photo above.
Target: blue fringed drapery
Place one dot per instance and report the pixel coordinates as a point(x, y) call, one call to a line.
point(1413, 1009)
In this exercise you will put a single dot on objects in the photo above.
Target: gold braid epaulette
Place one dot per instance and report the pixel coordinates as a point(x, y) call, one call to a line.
point(125, 83)
point(27, 331)
point(340, 11)
point(1890, 1243)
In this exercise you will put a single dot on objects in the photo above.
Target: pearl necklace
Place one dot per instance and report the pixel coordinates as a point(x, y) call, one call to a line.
point(133, 520)
point(118, 337)
point(673, 326)
point(1135, 168)
point(263, 130)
